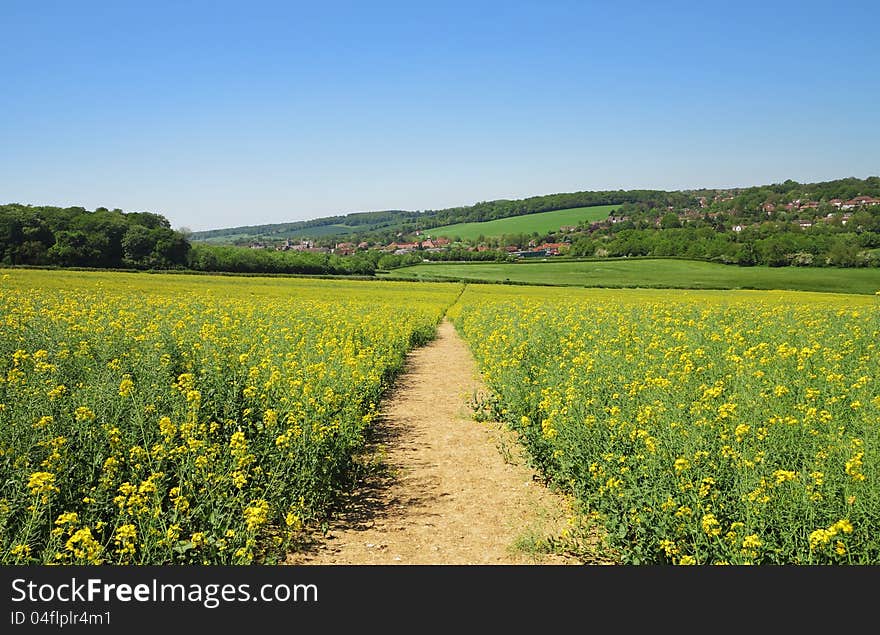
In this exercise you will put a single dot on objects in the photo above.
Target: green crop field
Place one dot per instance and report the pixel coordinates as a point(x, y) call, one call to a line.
point(653, 273)
point(527, 224)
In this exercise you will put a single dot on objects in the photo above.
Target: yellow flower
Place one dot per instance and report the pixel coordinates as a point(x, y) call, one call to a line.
point(125, 540)
point(20, 551)
point(293, 521)
point(781, 476)
point(257, 514)
point(67, 518)
point(237, 444)
point(84, 414)
point(84, 546)
point(751, 542)
point(126, 386)
point(57, 392)
point(172, 534)
point(166, 427)
point(854, 467)
point(711, 526)
point(843, 526)
point(44, 422)
point(726, 410)
point(668, 547)
point(42, 484)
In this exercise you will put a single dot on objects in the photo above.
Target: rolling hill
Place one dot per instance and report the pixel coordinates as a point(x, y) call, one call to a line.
point(541, 222)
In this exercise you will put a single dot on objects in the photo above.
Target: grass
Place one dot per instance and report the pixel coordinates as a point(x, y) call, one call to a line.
point(527, 224)
point(656, 273)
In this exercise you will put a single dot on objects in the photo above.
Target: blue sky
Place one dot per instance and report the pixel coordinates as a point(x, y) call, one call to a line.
point(220, 114)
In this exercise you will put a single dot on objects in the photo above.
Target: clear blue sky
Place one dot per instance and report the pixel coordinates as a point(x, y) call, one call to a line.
point(219, 114)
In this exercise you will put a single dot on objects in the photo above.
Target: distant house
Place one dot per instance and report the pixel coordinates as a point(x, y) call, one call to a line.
point(531, 253)
point(553, 249)
point(401, 248)
point(302, 245)
point(768, 207)
point(859, 201)
point(804, 223)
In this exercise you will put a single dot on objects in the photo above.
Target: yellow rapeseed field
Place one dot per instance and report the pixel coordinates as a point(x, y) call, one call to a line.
point(152, 419)
point(704, 427)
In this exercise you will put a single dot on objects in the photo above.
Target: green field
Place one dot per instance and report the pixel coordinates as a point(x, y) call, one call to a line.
point(653, 273)
point(527, 224)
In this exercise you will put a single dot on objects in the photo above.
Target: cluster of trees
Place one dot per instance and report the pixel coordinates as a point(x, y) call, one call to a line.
point(748, 202)
point(493, 254)
point(772, 244)
point(76, 237)
point(204, 257)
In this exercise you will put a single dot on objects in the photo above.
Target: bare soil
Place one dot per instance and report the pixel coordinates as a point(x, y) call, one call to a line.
point(442, 488)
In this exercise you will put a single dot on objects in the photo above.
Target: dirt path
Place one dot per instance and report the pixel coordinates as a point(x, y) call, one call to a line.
point(448, 489)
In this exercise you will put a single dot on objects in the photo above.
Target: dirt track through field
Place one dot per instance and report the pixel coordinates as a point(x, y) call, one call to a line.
point(445, 489)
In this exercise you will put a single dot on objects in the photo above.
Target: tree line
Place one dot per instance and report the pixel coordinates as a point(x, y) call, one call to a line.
point(76, 237)
point(113, 239)
point(775, 244)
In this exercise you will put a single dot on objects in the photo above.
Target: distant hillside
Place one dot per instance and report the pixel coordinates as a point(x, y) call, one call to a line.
point(387, 226)
point(356, 222)
point(541, 223)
